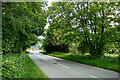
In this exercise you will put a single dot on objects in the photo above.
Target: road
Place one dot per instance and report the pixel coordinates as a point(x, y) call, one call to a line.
point(59, 68)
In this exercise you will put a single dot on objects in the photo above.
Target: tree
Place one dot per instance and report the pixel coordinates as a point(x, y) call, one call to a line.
point(21, 22)
point(52, 43)
point(85, 23)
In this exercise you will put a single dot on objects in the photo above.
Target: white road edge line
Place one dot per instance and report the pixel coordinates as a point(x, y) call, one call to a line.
point(63, 65)
point(103, 69)
point(94, 77)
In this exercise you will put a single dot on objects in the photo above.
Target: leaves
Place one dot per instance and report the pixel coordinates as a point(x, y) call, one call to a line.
point(22, 23)
point(85, 23)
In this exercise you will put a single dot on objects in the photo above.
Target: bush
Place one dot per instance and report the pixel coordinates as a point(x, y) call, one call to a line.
point(55, 48)
point(20, 66)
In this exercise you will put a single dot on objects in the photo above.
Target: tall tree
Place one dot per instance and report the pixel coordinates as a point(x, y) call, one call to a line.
point(21, 22)
point(86, 23)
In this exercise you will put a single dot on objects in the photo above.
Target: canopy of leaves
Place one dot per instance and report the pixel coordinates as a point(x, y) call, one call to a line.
point(22, 22)
point(87, 24)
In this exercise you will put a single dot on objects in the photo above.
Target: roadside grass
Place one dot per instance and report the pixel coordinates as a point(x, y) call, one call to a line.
point(20, 66)
point(0, 67)
point(107, 61)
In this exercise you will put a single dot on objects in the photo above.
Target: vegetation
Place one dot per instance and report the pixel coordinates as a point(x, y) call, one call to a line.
point(75, 27)
point(22, 22)
point(85, 27)
point(51, 44)
point(20, 66)
point(107, 61)
point(0, 66)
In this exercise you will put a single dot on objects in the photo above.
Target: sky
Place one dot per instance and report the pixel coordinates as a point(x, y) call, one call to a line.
point(41, 37)
point(49, 4)
point(46, 27)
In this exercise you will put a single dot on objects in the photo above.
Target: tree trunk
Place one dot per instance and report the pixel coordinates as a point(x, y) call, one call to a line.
point(3, 52)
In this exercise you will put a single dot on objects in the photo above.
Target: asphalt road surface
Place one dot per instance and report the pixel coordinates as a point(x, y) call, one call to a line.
point(59, 68)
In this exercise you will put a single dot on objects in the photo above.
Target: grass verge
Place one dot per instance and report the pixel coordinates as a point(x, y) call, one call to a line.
point(106, 61)
point(20, 66)
point(0, 67)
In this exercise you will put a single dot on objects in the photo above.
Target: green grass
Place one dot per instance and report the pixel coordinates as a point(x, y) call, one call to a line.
point(0, 67)
point(106, 61)
point(20, 66)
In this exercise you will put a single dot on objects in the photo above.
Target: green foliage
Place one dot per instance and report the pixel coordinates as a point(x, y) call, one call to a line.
point(22, 22)
point(86, 24)
point(20, 66)
point(107, 61)
point(52, 43)
point(49, 47)
point(0, 66)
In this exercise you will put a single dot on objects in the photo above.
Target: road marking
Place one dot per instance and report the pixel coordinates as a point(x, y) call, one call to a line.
point(103, 69)
point(63, 65)
point(55, 63)
point(94, 77)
